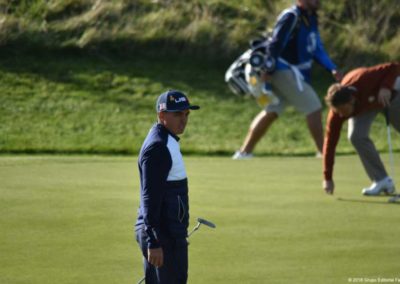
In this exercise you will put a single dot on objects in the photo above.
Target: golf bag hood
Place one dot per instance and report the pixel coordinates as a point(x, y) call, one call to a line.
point(235, 75)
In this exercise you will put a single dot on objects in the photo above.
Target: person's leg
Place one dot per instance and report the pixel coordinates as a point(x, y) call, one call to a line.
point(169, 273)
point(181, 260)
point(314, 123)
point(358, 134)
point(305, 101)
point(261, 123)
point(257, 129)
point(175, 267)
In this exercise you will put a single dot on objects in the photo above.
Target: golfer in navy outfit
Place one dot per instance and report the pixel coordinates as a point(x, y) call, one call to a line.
point(163, 216)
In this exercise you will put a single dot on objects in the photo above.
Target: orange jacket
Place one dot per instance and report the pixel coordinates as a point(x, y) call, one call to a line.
point(368, 82)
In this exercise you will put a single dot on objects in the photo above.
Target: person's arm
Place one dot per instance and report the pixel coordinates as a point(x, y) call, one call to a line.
point(384, 96)
point(322, 57)
point(392, 72)
point(155, 166)
point(333, 127)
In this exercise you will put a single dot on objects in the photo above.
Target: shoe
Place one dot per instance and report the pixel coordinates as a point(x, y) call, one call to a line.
point(318, 155)
point(242, 156)
point(394, 199)
point(385, 185)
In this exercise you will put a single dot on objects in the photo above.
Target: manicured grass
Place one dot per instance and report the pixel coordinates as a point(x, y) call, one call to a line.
point(69, 220)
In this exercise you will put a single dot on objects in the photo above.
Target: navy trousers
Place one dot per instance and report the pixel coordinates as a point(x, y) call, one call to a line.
point(175, 268)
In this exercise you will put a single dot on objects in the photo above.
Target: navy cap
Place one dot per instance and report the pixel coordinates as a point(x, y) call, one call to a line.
point(173, 101)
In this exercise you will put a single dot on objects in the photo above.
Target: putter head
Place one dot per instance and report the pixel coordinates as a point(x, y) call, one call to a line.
point(207, 223)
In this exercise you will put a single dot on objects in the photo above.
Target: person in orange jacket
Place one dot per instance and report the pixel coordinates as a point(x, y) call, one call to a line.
point(361, 95)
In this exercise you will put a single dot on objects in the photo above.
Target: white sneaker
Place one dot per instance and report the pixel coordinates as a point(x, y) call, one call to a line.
point(242, 156)
point(385, 185)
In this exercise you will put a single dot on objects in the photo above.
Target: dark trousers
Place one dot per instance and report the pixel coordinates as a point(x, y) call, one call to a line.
point(175, 268)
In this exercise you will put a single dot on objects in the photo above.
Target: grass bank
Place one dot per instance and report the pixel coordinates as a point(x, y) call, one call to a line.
point(89, 102)
point(81, 76)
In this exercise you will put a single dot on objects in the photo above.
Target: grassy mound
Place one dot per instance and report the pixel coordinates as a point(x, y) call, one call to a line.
point(81, 102)
point(81, 76)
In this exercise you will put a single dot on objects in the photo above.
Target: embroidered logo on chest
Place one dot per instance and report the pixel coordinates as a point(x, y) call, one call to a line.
point(312, 42)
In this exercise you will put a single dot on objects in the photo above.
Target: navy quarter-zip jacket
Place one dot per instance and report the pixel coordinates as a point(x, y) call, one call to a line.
point(164, 202)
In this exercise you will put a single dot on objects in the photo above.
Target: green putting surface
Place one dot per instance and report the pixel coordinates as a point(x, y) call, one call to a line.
point(69, 219)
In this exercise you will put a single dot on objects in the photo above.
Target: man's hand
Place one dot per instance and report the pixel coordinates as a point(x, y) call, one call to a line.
point(155, 257)
point(384, 97)
point(337, 75)
point(329, 186)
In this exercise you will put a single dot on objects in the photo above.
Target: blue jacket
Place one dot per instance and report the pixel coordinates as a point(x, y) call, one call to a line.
point(296, 40)
point(164, 203)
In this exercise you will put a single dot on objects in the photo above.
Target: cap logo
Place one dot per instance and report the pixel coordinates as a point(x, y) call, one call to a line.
point(162, 106)
point(171, 98)
point(181, 99)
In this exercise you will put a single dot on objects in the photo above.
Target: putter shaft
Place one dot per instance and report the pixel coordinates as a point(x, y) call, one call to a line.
point(390, 152)
point(194, 229)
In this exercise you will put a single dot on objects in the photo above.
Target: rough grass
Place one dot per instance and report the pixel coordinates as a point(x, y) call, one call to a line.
point(69, 220)
point(212, 27)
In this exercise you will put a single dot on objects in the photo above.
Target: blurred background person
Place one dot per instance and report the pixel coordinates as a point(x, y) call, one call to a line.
point(286, 71)
point(362, 94)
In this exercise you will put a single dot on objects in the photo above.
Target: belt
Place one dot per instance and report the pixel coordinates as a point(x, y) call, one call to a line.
point(296, 72)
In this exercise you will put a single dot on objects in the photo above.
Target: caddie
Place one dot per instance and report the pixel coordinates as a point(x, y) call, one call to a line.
point(362, 94)
point(163, 215)
point(289, 55)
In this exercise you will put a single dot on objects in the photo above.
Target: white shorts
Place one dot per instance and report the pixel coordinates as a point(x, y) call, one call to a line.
point(285, 86)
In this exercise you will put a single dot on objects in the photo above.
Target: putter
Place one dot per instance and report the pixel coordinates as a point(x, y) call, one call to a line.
point(204, 222)
point(200, 221)
point(389, 137)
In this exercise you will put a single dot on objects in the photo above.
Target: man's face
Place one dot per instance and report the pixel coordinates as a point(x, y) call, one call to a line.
point(174, 121)
point(310, 5)
point(344, 110)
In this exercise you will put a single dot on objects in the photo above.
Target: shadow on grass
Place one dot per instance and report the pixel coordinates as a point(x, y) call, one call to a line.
point(128, 152)
point(367, 201)
point(174, 69)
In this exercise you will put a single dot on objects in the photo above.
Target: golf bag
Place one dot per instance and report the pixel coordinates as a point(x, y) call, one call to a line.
point(253, 61)
point(244, 75)
point(237, 74)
